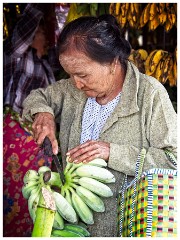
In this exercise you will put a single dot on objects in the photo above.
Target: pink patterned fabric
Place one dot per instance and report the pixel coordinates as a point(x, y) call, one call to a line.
point(20, 153)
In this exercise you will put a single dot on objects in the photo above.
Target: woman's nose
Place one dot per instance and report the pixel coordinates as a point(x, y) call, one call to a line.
point(78, 83)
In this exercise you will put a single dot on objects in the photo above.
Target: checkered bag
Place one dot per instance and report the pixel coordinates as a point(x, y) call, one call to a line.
point(147, 207)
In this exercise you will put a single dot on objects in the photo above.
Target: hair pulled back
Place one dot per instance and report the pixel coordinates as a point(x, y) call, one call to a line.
point(99, 38)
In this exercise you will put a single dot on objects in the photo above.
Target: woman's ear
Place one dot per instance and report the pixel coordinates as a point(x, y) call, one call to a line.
point(113, 66)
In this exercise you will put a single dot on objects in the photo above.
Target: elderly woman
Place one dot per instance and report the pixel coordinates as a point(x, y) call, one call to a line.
point(106, 109)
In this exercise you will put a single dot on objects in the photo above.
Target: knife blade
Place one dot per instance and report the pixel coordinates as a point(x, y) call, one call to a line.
point(47, 146)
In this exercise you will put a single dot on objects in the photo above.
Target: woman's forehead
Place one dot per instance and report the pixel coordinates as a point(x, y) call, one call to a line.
point(74, 59)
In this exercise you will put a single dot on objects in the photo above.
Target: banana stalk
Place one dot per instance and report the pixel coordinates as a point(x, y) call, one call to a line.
point(45, 214)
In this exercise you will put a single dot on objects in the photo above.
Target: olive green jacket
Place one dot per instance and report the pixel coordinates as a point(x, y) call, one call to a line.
point(144, 117)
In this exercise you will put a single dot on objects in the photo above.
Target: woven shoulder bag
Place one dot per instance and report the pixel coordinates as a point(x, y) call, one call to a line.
point(147, 207)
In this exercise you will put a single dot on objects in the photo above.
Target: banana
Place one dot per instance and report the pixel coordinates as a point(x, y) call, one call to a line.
point(33, 201)
point(44, 214)
point(153, 60)
point(77, 228)
point(68, 196)
point(91, 199)
point(154, 23)
point(161, 7)
point(65, 233)
point(28, 187)
point(30, 175)
point(64, 208)
point(93, 172)
point(99, 162)
point(162, 17)
point(112, 8)
point(122, 21)
point(68, 165)
point(117, 9)
point(81, 208)
point(168, 25)
point(152, 11)
point(112, 180)
point(58, 221)
point(167, 68)
point(144, 18)
point(172, 16)
point(43, 169)
point(94, 186)
point(159, 69)
point(143, 54)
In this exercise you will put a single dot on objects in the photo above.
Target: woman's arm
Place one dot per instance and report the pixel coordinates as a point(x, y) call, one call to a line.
point(159, 132)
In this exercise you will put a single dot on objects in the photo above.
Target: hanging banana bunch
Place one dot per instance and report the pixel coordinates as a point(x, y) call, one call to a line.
point(155, 14)
point(126, 13)
point(159, 64)
point(163, 66)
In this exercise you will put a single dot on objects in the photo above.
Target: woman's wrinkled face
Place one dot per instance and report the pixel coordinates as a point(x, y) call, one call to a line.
point(93, 78)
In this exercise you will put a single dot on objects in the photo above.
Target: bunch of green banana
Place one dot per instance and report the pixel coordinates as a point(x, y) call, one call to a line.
point(78, 198)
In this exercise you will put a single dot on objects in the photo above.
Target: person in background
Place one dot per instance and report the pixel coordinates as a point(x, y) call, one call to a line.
point(29, 62)
point(106, 109)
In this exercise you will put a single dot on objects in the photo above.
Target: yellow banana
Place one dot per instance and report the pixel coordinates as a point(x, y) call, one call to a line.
point(112, 8)
point(161, 7)
point(159, 69)
point(162, 17)
point(143, 54)
point(127, 7)
point(153, 60)
point(167, 68)
point(117, 9)
point(123, 9)
point(168, 25)
point(145, 15)
point(154, 23)
point(153, 11)
point(122, 21)
point(172, 16)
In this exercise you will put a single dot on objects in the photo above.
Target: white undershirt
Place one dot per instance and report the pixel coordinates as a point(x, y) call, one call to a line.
point(95, 116)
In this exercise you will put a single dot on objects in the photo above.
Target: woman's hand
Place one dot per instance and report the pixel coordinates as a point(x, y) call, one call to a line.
point(88, 151)
point(44, 125)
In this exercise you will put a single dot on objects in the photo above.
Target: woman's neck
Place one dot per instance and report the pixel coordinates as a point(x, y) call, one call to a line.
point(115, 90)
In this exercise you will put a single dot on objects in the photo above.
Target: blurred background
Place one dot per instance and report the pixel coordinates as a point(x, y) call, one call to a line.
point(149, 27)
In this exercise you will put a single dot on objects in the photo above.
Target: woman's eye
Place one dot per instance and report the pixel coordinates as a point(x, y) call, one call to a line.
point(82, 76)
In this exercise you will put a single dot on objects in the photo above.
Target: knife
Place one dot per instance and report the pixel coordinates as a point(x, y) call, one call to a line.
point(47, 146)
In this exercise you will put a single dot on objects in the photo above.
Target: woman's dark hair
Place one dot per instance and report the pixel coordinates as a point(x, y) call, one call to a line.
point(98, 37)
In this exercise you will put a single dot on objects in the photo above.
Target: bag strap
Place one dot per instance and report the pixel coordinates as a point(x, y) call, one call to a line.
point(171, 157)
point(138, 173)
